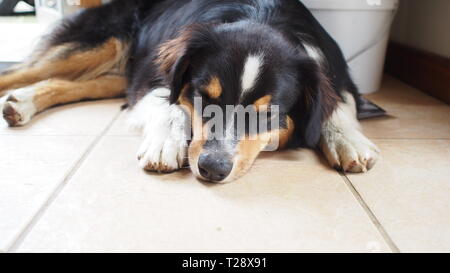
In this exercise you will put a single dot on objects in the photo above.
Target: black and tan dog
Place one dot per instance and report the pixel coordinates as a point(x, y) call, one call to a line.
point(165, 54)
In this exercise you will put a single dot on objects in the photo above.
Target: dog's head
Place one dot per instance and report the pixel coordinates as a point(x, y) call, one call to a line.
point(246, 89)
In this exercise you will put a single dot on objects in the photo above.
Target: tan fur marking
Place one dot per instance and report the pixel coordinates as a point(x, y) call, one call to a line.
point(184, 102)
point(79, 65)
point(195, 149)
point(170, 51)
point(196, 146)
point(54, 92)
point(329, 98)
point(214, 89)
point(262, 104)
point(249, 149)
point(286, 134)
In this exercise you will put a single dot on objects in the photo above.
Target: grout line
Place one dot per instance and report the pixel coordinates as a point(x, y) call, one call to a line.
point(40, 213)
point(394, 248)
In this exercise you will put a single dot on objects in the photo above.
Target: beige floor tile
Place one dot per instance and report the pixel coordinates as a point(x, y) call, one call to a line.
point(31, 167)
point(289, 202)
point(19, 37)
point(85, 118)
point(412, 114)
point(121, 127)
point(409, 192)
point(18, 19)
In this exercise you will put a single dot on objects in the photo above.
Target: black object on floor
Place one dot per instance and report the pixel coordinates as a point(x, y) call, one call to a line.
point(7, 7)
point(368, 109)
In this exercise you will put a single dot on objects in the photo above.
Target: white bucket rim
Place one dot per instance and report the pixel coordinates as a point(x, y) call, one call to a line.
point(351, 4)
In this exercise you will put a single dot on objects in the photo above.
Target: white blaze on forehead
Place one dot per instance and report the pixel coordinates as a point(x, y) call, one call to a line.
point(313, 52)
point(252, 69)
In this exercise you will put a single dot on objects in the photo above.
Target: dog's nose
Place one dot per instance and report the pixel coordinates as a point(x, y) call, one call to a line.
point(215, 167)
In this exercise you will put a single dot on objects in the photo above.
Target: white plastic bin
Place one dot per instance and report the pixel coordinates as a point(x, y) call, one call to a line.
point(361, 28)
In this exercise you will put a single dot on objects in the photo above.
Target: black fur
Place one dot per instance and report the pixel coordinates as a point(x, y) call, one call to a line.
point(228, 30)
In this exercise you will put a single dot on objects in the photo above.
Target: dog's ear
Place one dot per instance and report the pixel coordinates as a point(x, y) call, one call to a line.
point(175, 56)
point(318, 100)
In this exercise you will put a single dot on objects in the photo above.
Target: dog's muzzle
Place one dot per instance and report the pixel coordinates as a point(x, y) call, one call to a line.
point(215, 166)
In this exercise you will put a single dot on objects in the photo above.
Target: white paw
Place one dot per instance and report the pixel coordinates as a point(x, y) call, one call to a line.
point(17, 107)
point(165, 129)
point(352, 153)
point(162, 154)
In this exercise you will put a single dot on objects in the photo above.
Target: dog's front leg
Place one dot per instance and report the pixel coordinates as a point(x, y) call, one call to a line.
point(343, 143)
point(165, 128)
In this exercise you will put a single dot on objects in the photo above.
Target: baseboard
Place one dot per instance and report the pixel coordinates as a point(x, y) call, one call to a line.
point(423, 70)
point(90, 3)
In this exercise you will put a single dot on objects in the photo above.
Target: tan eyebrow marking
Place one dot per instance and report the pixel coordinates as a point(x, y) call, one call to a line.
point(183, 101)
point(286, 134)
point(262, 104)
point(214, 89)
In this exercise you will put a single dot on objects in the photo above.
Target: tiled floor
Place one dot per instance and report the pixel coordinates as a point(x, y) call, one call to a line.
point(18, 35)
point(70, 182)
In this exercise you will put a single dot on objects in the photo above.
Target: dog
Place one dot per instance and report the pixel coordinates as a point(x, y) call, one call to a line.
point(166, 55)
